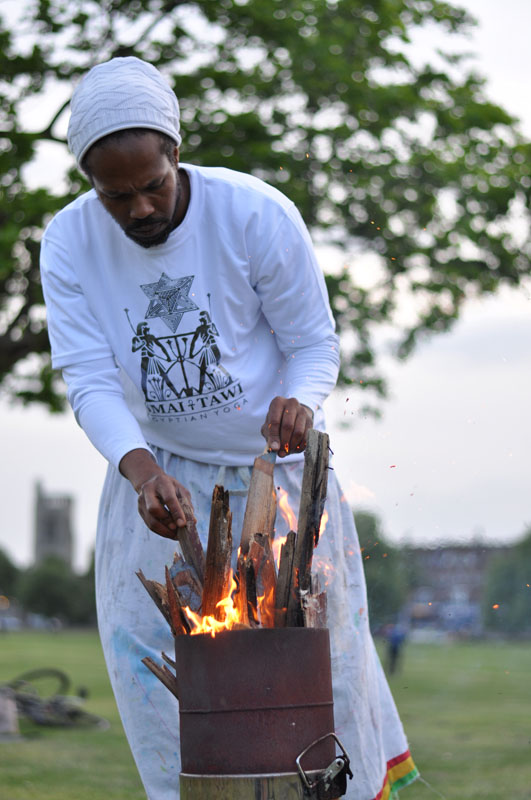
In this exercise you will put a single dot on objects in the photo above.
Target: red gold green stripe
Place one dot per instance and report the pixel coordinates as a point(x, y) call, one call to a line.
point(400, 772)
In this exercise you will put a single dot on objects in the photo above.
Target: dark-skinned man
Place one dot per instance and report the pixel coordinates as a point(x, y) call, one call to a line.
point(131, 271)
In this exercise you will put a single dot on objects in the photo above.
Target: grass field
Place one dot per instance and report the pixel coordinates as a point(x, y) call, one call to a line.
point(466, 709)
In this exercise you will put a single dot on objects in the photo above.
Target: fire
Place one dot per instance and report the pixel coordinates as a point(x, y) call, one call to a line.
point(265, 609)
point(290, 519)
point(211, 625)
point(286, 510)
point(276, 547)
point(230, 616)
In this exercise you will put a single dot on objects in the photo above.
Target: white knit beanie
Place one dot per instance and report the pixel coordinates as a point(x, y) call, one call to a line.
point(119, 94)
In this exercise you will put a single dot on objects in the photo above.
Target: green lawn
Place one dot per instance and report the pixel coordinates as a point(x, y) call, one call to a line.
point(466, 709)
point(61, 763)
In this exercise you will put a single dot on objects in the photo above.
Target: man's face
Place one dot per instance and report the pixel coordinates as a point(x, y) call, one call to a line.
point(139, 187)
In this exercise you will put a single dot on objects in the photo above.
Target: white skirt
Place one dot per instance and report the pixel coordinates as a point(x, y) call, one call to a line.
point(131, 627)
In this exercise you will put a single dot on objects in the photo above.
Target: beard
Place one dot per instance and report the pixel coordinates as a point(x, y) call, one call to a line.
point(149, 234)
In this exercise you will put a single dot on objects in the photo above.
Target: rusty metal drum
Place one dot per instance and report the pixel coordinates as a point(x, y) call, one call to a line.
point(252, 700)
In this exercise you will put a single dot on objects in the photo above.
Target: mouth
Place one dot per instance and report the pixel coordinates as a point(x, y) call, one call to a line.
point(147, 230)
point(149, 234)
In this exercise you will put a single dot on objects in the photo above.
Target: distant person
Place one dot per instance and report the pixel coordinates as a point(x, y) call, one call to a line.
point(396, 637)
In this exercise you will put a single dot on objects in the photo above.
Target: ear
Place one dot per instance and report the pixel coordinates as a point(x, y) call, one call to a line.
point(176, 155)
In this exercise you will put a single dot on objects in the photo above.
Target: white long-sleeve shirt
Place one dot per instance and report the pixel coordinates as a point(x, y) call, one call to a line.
point(184, 345)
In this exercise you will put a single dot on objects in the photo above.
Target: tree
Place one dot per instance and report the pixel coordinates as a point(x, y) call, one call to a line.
point(507, 598)
point(385, 571)
point(53, 590)
point(8, 575)
point(318, 98)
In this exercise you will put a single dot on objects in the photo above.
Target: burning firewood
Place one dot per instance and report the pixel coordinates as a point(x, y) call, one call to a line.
point(163, 674)
point(285, 572)
point(257, 596)
point(313, 496)
point(240, 599)
point(169, 660)
point(185, 580)
point(191, 543)
point(261, 501)
point(314, 605)
point(265, 577)
point(219, 553)
point(249, 580)
point(179, 622)
point(158, 594)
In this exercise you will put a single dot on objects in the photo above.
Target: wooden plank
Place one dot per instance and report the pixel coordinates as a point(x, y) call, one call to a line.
point(245, 599)
point(266, 577)
point(169, 661)
point(163, 674)
point(261, 507)
point(250, 588)
point(285, 571)
point(191, 543)
point(185, 580)
point(158, 594)
point(240, 599)
point(314, 607)
point(178, 620)
point(219, 554)
point(313, 496)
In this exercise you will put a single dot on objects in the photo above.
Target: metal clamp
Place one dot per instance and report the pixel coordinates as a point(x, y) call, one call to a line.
point(332, 782)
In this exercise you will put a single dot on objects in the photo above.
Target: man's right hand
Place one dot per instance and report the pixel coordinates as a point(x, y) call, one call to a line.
point(159, 494)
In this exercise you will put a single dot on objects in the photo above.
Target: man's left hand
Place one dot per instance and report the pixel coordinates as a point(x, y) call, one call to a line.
point(286, 426)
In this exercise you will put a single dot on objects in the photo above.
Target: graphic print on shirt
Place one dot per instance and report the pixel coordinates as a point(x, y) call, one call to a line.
point(181, 374)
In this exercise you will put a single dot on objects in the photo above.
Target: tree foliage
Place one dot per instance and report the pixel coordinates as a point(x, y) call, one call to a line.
point(50, 588)
point(319, 98)
point(9, 574)
point(507, 599)
point(385, 571)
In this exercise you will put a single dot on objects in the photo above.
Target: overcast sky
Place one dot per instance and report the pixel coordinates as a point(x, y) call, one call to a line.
point(449, 459)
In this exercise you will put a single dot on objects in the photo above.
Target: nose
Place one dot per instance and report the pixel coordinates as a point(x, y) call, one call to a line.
point(141, 207)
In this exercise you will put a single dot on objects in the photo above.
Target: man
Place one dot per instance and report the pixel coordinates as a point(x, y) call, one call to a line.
point(179, 255)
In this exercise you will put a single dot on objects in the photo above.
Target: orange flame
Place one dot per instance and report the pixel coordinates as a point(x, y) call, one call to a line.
point(210, 624)
point(265, 609)
point(286, 510)
point(290, 519)
point(324, 520)
point(276, 547)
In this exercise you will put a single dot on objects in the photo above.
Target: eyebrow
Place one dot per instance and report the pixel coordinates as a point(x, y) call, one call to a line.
point(153, 184)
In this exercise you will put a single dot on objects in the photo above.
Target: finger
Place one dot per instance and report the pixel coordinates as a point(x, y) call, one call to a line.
point(161, 503)
point(173, 515)
point(162, 530)
point(272, 424)
point(297, 441)
point(288, 426)
point(157, 526)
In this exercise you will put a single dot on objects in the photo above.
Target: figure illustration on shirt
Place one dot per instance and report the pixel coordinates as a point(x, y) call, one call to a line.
point(209, 355)
point(153, 371)
point(181, 374)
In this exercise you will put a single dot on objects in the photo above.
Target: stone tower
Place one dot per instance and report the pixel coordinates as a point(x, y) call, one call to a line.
point(53, 526)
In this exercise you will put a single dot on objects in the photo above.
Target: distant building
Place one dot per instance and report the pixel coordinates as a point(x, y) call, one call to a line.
point(450, 581)
point(53, 526)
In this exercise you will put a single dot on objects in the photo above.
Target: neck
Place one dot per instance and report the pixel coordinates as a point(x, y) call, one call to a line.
point(183, 197)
